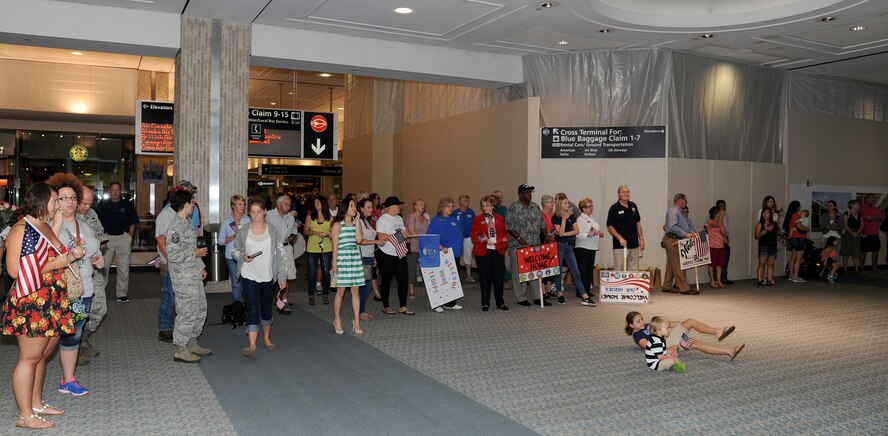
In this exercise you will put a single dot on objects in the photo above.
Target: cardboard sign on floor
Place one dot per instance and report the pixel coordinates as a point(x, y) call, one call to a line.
point(632, 287)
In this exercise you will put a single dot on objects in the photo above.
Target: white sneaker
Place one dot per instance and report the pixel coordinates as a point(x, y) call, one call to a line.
point(455, 307)
point(439, 309)
point(800, 280)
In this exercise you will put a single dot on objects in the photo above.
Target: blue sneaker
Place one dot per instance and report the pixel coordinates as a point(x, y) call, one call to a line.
point(73, 388)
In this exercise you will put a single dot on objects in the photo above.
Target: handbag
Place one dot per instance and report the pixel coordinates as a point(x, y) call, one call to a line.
point(72, 272)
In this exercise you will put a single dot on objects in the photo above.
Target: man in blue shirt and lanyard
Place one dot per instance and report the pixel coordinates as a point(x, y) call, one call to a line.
point(677, 227)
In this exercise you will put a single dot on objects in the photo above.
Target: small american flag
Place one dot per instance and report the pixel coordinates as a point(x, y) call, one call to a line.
point(685, 341)
point(397, 241)
point(35, 252)
point(701, 244)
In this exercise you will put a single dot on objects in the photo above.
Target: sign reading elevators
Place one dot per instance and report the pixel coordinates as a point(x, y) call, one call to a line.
point(603, 142)
point(154, 127)
point(537, 261)
point(275, 132)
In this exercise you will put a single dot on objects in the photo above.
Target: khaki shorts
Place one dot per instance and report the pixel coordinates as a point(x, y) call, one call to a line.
point(675, 336)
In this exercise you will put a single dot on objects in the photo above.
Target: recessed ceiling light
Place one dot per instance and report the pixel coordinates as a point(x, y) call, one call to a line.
point(856, 28)
point(325, 74)
point(707, 35)
point(548, 4)
point(273, 103)
point(339, 108)
point(563, 42)
point(828, 18)
point(403, 10)
point(290, 93)
point(604, 31)
point(76, 53)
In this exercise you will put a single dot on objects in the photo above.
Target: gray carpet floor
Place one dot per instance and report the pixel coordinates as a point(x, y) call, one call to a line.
point(812, 364)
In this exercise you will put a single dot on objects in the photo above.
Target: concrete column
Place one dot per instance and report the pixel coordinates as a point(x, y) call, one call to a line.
point(212, 100)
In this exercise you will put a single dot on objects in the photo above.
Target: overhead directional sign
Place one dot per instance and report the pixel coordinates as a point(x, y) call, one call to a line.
point(603, 142)
point(299, 170)
point(154, 127)
point(275, 132)
point(320, 137)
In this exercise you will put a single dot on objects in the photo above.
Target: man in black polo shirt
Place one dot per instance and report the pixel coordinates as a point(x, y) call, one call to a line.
point(624, 224)
point(119, 218)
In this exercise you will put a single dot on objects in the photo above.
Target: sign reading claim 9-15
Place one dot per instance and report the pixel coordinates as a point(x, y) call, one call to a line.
point(603, 142)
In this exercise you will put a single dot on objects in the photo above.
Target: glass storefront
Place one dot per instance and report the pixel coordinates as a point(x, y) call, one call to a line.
point(98, 160)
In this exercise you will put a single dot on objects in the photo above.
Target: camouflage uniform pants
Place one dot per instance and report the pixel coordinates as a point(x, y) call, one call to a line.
point(191, 306)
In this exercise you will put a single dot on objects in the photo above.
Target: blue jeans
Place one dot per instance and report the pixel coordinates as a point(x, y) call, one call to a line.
point(368, 285)
point(166, 312)
point(236, 287)
point(569, 260)
point(324, 259)
point(258, 298)
point(72, 342)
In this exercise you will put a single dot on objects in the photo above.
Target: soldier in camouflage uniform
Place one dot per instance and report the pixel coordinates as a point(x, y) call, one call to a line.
point(86, 214)
point(187, 273)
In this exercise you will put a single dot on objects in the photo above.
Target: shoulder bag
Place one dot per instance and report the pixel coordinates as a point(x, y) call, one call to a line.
point(72, 272)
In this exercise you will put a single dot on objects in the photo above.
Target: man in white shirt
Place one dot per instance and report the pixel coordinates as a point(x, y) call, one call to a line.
point(283, 221)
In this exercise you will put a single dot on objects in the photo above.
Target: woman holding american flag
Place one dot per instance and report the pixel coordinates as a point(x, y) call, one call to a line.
point(37, 311)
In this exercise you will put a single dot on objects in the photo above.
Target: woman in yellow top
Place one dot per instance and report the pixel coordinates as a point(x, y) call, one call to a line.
point(318, 248)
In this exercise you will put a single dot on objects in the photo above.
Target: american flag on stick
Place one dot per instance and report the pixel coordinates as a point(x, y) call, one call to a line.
point(35, 252)
point(397, 241)
point(701, 244)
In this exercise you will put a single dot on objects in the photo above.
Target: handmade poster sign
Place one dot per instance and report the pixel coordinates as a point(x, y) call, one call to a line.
point(442, 282)
point(429, 250)
point(538, 261)
point(693, 251)
point(625, 287)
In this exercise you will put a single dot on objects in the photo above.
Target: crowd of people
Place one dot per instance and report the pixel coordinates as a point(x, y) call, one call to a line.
point(60, 250)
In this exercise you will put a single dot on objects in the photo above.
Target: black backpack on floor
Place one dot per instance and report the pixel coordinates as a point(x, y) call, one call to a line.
point(234, 314)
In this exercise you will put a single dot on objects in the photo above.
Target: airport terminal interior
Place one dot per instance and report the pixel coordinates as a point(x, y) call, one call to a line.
point(432, 99)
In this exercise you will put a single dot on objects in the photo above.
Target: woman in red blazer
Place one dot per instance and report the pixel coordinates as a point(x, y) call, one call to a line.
point(490, 238)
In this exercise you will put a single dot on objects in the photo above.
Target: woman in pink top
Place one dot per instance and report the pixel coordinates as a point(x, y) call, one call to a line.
point(417, 224)
point(717, 234)
point(548, 204)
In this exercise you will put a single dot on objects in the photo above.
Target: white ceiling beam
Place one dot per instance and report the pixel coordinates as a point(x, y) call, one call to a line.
point(319, 51)
point(89, 27)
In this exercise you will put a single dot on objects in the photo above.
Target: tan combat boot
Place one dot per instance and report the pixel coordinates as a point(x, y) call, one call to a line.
point(195, 348)
point(185, 356)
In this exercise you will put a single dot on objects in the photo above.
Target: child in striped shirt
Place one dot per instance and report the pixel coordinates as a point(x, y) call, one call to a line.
point(657, 356)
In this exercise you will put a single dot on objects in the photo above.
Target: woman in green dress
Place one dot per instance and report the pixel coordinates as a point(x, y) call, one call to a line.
point(348, 269)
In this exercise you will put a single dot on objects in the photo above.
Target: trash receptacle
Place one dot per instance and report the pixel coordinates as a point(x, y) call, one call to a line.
point(217, 269)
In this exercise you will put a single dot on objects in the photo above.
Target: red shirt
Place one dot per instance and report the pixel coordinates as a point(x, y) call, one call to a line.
point(866, 213)
point(480, 227)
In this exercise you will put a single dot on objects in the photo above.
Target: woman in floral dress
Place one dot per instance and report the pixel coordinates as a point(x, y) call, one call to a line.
point(37, 310)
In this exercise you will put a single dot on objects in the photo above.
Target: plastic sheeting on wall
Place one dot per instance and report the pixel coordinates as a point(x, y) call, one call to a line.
point(838, 97)
point(713, 109)
point(725, 111)
point(601, 88)
point(384, 106)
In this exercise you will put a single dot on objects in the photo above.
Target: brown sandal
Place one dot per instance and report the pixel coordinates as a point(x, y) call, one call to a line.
point(389, 311)
point(737, 351)
point(406, 312)
point(42, 424)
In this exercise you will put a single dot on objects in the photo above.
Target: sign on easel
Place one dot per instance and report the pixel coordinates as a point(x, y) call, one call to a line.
point(538, 261)
point(693, 251)
point(442, 282)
